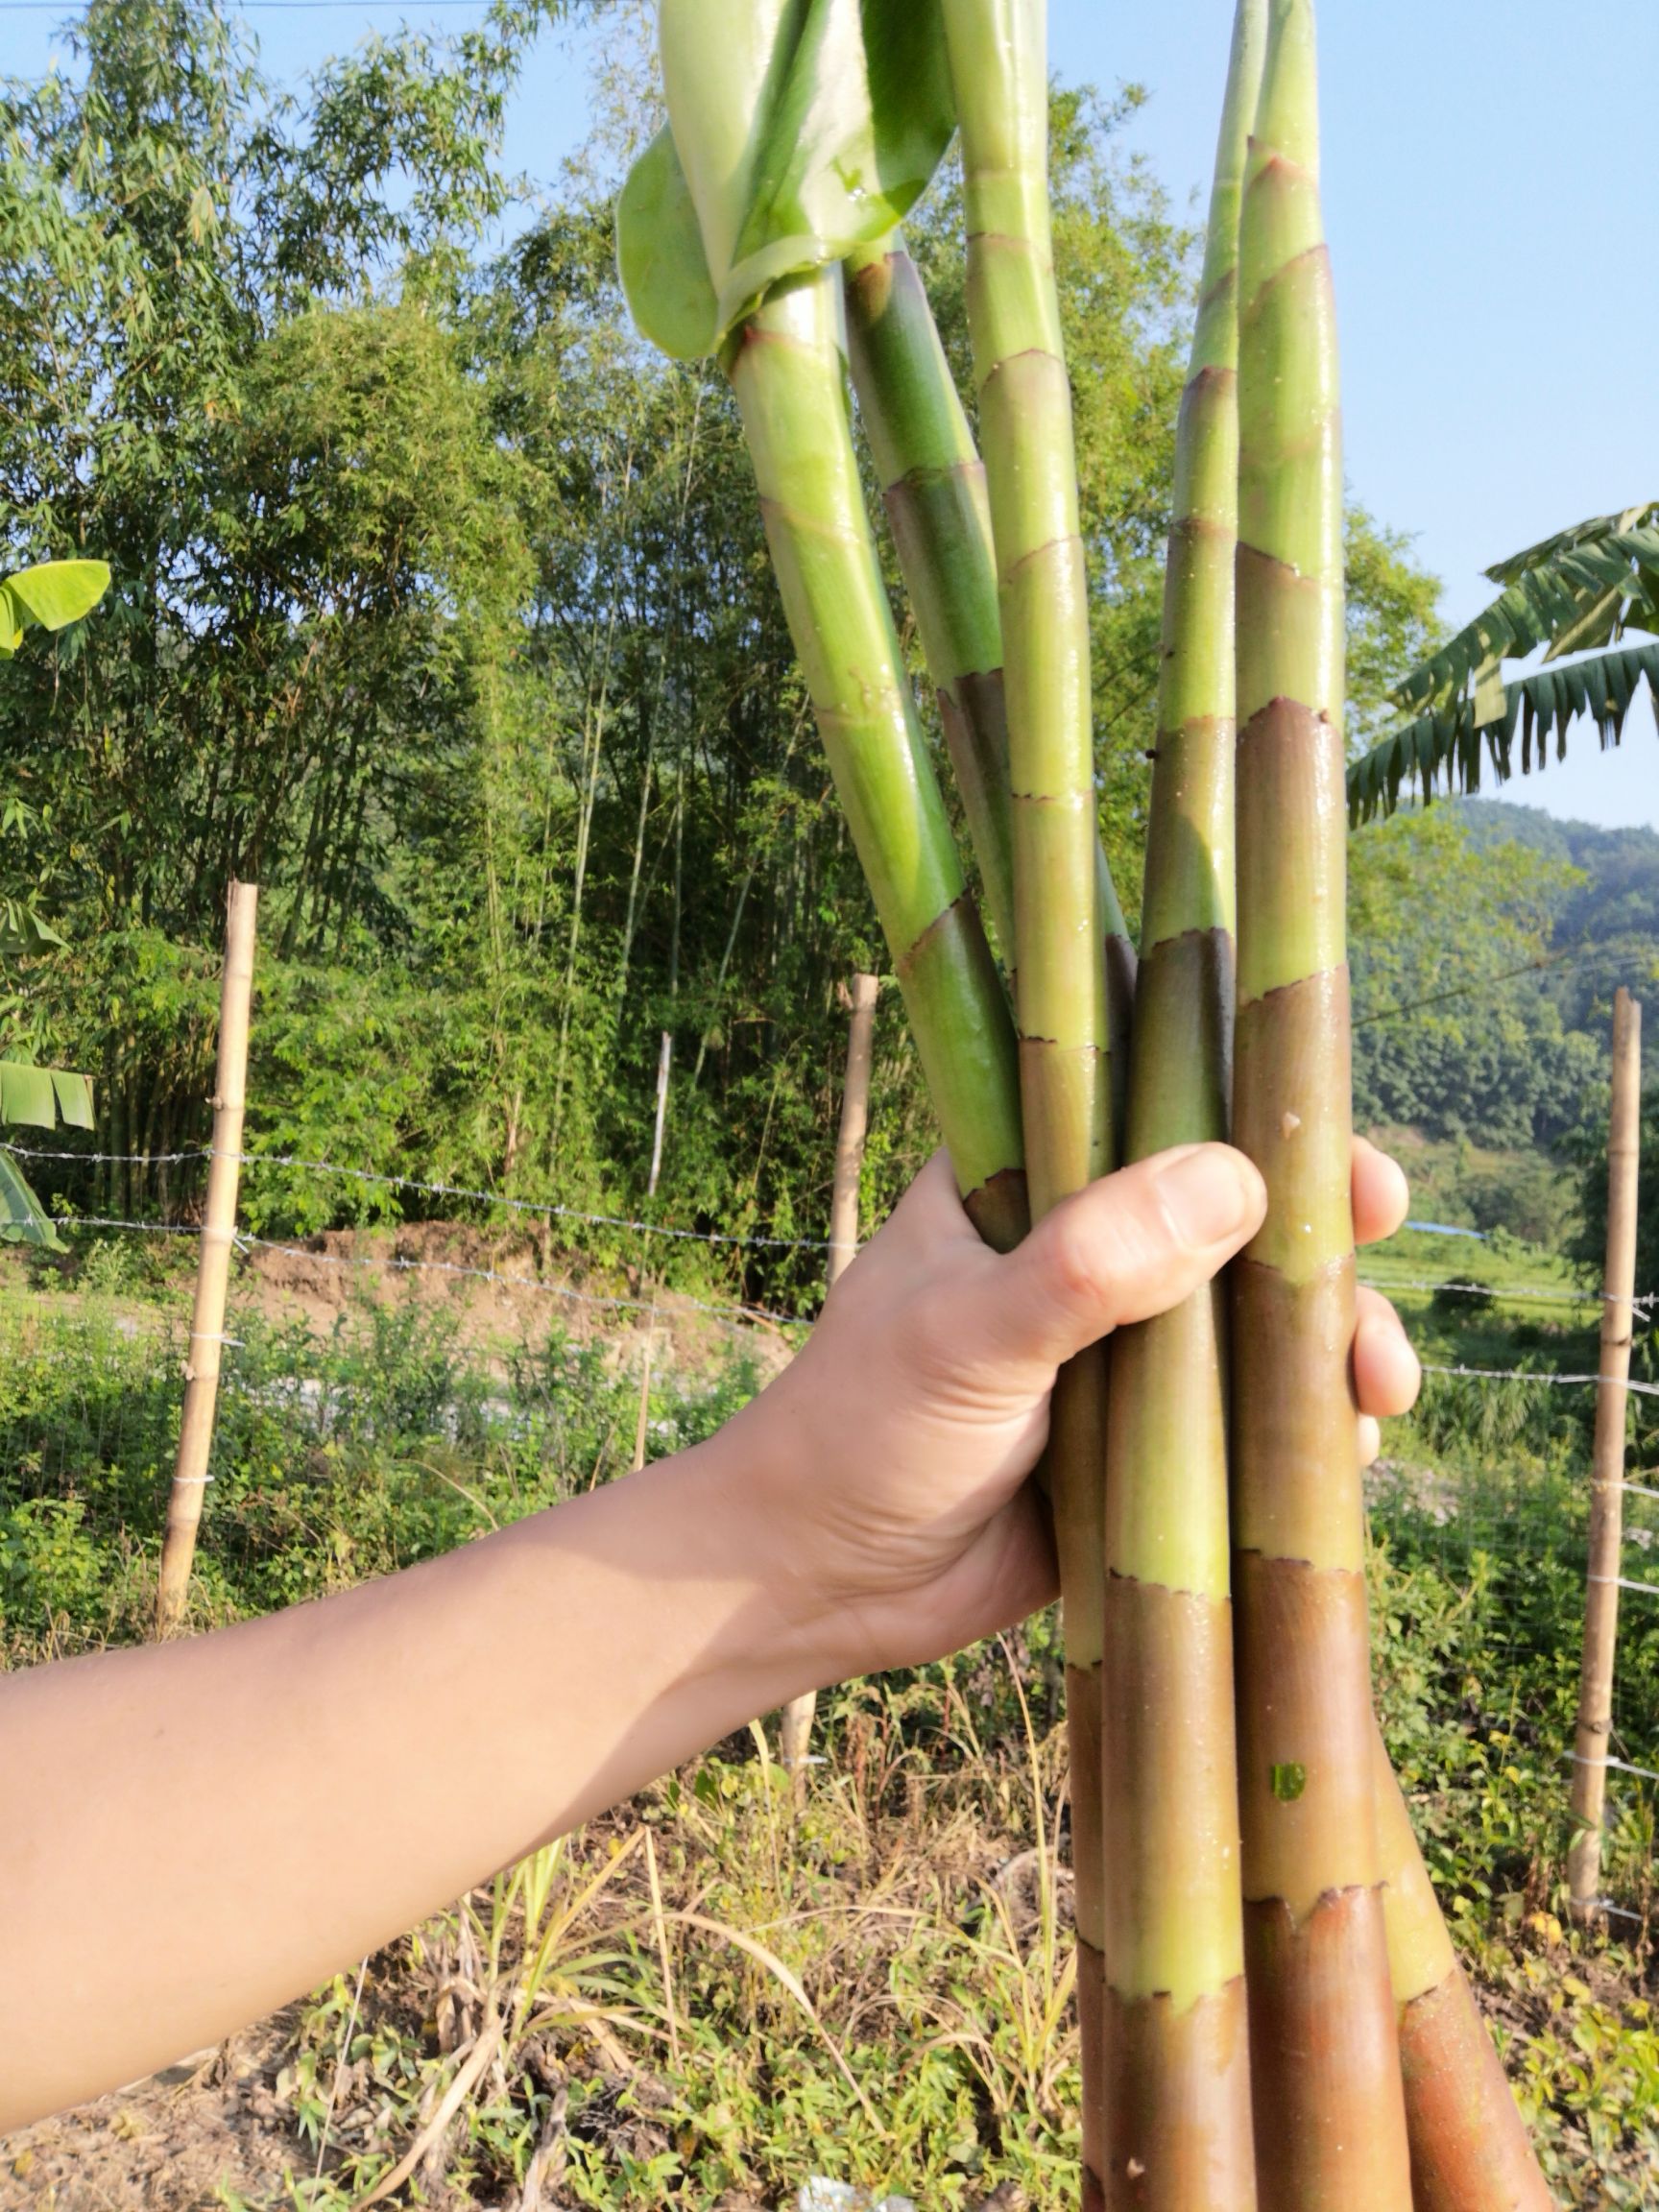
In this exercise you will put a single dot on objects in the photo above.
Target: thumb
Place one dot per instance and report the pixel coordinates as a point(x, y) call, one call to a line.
point(1131, 1246)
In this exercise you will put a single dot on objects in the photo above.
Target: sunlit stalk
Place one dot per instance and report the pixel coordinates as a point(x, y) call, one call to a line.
point(1177, 2051)
point(786, 369)
point(999, 73)
point(1328, 2112)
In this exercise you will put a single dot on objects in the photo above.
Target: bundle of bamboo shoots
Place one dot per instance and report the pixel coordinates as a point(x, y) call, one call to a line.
point(1270, 2008)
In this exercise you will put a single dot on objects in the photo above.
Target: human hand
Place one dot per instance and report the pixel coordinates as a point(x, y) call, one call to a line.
point(890, 1461)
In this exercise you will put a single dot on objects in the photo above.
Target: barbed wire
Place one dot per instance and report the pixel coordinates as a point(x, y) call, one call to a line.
point(1542, 1293)
point(1536, 1375)
point(1620, 1766)
point(109, 1221)
point(730, 1313)
point(401, 1266)
point(543, 1207)
point(1545, 1294)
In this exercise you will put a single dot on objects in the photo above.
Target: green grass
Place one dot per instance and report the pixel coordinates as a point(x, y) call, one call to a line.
point(880, 1989)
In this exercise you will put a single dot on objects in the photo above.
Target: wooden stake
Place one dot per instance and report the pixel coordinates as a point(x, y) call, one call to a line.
point(1607, 1495)
point(796, 1732)
point(854, 1124)
point(213, 1267)
point(643, 1420)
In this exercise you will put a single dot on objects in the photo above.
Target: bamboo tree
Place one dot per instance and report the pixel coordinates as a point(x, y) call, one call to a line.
point(1177, 2051)
point(998, 74)
point(729, 229)
point(1329, 2112)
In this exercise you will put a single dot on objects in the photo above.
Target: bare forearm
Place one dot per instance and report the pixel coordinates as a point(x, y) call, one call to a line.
point(199, 1831)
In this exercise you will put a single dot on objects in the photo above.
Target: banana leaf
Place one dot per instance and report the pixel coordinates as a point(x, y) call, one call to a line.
point(52, 594)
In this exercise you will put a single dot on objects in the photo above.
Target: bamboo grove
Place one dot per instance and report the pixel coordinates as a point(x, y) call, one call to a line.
point(441, 604)
point(1270, 2011)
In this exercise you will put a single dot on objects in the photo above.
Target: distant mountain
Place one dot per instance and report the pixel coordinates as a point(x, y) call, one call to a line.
point(1607, 927)
point(1484, 1017)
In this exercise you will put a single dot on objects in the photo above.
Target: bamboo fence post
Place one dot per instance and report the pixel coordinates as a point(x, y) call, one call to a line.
point(1607, 1493)
point(213, 1264)
point(796, 1732)
point(642, 1419)
point(854, 1123)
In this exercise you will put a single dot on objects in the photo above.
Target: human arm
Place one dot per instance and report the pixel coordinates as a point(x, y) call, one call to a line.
point(197, 1831)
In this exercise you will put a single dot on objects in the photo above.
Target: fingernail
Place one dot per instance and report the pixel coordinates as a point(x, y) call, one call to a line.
point(1209, 1194)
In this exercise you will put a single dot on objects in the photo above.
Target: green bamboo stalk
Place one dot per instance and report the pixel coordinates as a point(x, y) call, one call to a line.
point(787, 371)
point(1329, 2109)
point(933, 486)
point(1177, 2048)
point(789, 140)
point(999, 75)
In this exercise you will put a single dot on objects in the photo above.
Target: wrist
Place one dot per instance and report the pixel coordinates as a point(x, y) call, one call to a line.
point(705, 1530)
point(745, 1486)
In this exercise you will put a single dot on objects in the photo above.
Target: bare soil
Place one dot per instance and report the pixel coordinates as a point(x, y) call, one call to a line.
point(495, 1289)
point(167, 2144)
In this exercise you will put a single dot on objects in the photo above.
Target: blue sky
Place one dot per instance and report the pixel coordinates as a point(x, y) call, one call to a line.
point(1487, 183)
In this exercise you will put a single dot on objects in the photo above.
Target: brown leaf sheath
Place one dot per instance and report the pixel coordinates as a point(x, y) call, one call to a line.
point(1177, 2120)
point(1469, 2147)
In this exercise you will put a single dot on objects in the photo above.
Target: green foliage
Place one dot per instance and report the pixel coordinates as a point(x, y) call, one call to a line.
point(379, 1445)
point(1575, 593)
point(50, 595)
point(1486, 1054)
point(1393, 615)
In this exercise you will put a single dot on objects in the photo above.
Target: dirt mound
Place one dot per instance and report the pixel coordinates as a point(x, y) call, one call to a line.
point(496, 1288)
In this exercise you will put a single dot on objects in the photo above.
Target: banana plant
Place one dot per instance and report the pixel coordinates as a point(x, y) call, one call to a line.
point(48, 596)
point(1576, 593)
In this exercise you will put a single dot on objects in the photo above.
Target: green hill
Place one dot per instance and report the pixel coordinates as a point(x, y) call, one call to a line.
point(1488, 941)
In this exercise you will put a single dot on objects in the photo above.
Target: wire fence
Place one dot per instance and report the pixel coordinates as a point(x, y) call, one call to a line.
point(408, 1407)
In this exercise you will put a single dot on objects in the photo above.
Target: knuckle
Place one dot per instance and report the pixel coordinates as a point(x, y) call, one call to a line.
point(1074, 1258)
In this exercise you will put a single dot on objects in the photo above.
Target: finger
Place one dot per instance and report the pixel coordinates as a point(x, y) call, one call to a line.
point(1387, 1373)
point(1370, 1438)
point(929, 1219)
point(1381, 1193)
point(1131, 1246)
point(930, 1208)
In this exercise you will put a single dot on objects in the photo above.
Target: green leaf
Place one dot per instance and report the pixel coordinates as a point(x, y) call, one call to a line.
point(1578, 589)
point(660, 255)
point(56, 592)
point(802, 128)
point(864, 116)
point(22, 1220)
point(74, 1098)
point(22, 930)
point(1451, 742)
point(26, 1095)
